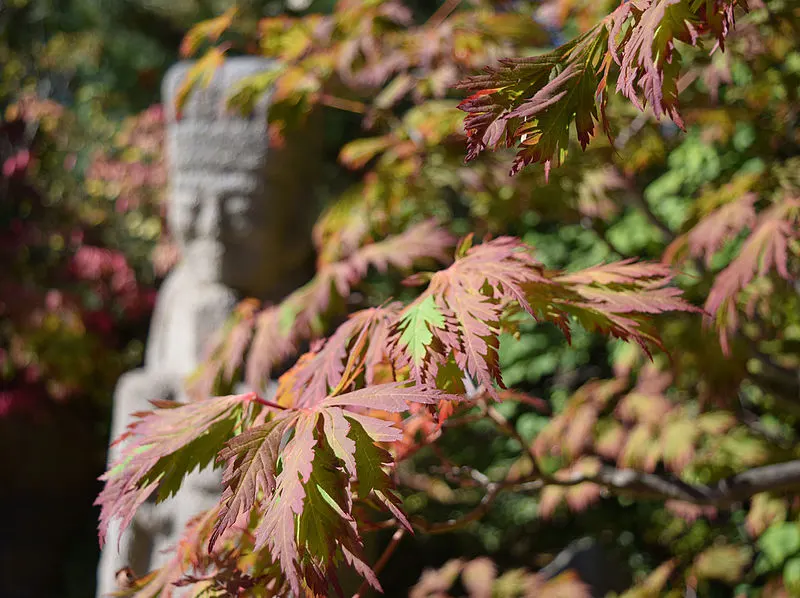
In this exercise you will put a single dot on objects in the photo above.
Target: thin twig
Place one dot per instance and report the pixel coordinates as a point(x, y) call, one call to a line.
point(459, 522)
point(790, 380)
point(527, 484)
point(384, 558)
point(441, 14)
point(343, 104)
point(725, 492)
point(753, 422)
point(455, 422)
point(501, 422)
point(636, 125)
point(458, 474)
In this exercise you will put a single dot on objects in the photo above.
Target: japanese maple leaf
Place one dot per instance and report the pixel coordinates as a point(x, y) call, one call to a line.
point(766, 248)
point(189, 552)
point(531, 102)
point(271, 345)
point(226, 352)
point(200, 74)
point(161, 448)
point(611, 299)
point(458, 316)
point(360, 340)
point(625, 272)
point(534, 101)
point(280, 329)
point(722, 225)
point(459, 313)
point(208, 30)
point(709, 235)
point(649, 63)
point(415, 327)
point(295, 468)
point(641, 301)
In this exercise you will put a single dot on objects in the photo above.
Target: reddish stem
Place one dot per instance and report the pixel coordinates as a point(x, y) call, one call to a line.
point(441, 14)
point(267, 403)
point(384, 558)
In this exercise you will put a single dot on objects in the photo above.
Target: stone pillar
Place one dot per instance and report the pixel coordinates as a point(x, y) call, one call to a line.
point(241, 212)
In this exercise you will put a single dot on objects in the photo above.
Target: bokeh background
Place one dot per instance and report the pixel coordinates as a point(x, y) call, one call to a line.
point(83, 249)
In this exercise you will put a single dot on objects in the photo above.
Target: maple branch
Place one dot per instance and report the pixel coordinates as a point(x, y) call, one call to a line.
point(455, 422)
point(644, 117)
point(343, 104)
point(527, 484)
point(636, 125)
point(754, 423)
point(501, 422)
point(776, 379)
point(384, 558)
point(786, 395)
point(460, 473)
point(441, 14)
point(493, 491)
point(725, 492)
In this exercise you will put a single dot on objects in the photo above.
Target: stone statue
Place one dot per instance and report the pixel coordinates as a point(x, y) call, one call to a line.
point(241, 214)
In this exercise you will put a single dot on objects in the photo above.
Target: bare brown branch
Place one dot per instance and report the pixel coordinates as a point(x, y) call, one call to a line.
point(384, 558)
point(770, 478)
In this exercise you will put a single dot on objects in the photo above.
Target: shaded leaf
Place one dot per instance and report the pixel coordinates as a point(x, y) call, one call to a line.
point(161, 447)
point(209, 30)
point(199, 74)
point(296, 470)
point(723, 563)
point(765, 249)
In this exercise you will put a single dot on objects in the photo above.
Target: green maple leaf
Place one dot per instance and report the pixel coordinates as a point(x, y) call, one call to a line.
point(324, 515)
point(163, 447)
point(301, 490)
point(196, 455)
point(416, 323)
point(370, 460)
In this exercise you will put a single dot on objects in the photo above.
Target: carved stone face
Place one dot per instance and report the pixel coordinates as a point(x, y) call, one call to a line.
point(218, 218)
point(238, 208)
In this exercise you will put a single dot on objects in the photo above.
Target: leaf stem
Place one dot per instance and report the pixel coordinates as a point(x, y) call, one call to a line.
point(501, 422)
point(267, 403)
point(384, 558)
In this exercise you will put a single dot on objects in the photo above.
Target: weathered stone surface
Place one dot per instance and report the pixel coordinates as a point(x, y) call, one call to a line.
point(241, 213)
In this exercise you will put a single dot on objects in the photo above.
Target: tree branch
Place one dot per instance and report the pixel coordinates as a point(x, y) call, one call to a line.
point(754, 423)
point(725, 492)
point(502, 423)
point(493, 491)
point(384, 558)
point(441, 14)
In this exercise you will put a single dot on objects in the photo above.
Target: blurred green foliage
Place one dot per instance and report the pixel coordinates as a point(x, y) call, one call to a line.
point(74, 71)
